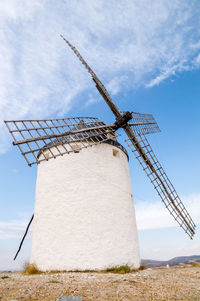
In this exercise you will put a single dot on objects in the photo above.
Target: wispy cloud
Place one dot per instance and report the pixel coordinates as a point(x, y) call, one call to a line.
point(127, 43)
point(168, 73)
point(12, 229)
point(153, 215)
point(197, 60)
point(167, 252)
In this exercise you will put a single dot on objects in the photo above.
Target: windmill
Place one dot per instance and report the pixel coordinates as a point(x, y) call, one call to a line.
point(84, 216)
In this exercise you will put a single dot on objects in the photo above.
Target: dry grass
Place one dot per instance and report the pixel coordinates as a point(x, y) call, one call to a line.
point(5, 277)
point(123, 269)
point(31, 269)
point(142, 267)
point(55, 271)
point(196, 264)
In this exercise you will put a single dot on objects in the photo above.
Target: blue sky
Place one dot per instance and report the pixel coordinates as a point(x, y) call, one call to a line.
point(148, 56)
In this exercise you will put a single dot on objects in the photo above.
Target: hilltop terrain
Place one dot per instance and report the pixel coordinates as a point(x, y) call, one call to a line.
point(172, 262)
point(157, 284)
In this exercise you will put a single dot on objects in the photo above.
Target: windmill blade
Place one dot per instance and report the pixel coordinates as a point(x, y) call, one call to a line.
point(40, 140)
point(140, 123)
point(143, 124)
point(98, 83)
point(150, 164)
point(155, 171)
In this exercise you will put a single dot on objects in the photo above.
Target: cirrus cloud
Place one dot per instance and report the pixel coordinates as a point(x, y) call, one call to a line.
point(128, 43)
point(153, 215)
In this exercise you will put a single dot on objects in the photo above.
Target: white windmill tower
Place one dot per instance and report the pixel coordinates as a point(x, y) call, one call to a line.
point(84, 216)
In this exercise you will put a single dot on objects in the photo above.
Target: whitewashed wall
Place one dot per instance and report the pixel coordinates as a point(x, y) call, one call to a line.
point(84, 214)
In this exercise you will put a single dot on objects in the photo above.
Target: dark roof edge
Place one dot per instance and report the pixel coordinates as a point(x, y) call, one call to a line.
point(117, 144)
point(109, 141)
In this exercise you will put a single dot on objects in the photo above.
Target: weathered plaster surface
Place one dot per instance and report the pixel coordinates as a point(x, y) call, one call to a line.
point(84, 214)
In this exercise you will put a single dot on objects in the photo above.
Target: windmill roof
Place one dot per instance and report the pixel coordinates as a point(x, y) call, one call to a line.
point(78, 137)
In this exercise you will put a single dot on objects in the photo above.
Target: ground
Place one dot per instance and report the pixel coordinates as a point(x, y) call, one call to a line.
point(157, 284)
